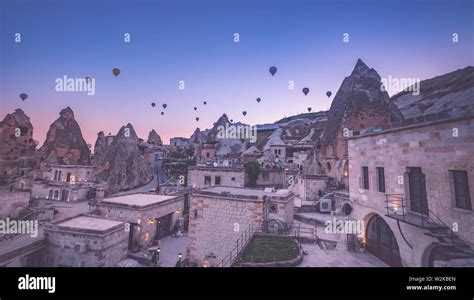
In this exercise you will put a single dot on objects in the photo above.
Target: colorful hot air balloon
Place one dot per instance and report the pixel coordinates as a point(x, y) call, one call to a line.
point(273, 70)
point(244, 113)
point(305, 91)
point(328, 93)
point(165, 106)
point(258, 100)
point(116, 72)
point(197, 119)
point(23, 96)
point(153, 104)
point(309, 109)
point(195, 108)
point(162, 113)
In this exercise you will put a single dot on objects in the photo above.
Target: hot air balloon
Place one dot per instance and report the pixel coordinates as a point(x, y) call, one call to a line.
point(23, 96)
point(162, 113)
point(153, 104)
point(309, 109)
point(258, 100)
point(204, 103)
point(165, 106)
point(273, 70)
point(305, 91)
point(197, 119)
point(116, 72)
point(328, 93)
point(244, 113)
point(195, 108)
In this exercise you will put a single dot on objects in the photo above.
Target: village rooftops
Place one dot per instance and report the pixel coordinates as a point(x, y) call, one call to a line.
point(139, 200)
point(73, 166)
point(217, 168)
point(87, 224)
point(246, 193)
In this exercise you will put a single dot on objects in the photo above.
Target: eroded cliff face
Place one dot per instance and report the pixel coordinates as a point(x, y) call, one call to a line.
point(16, 134)
point(64, 142)
point(124, 164)
point(154, 138)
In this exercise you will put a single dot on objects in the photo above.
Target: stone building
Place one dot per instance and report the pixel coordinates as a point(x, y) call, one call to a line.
point(413, 185)
point(12, 202)
point(203, 176)
point(69, 183)
point(179, 142)
point(85, 241)
point(150, 216)
point(219, 215)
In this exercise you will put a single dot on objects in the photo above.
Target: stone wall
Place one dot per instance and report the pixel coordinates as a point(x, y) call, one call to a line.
point(216, 223)
point(103, 250)
point(12, 203)
point(437, 148)
point(229, 176)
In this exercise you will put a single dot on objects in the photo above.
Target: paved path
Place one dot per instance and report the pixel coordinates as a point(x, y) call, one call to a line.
point(170, 248)
point(338, 258)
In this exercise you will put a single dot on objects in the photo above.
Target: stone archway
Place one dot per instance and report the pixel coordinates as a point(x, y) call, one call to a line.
point(381, 242)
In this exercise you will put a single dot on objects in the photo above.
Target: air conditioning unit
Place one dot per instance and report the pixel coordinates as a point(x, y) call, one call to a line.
point(325, 205)
point(80, 247)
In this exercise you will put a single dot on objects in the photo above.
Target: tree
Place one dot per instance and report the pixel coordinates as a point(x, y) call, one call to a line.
point(252, 168)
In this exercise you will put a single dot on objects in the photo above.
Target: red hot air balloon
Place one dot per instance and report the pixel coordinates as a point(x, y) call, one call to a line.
point(305, 91)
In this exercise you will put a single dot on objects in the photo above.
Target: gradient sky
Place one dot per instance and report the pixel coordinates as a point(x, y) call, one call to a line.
point(193, 41)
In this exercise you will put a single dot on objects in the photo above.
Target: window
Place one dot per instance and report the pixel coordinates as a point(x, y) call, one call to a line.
point(461, 190)
point(217, 180)
point(207, 180)
point(56, 194)
point(328, 165)
point(265, 176)
point(207, 154)
point(381, 179)
point(365, 178)
point(233, 179)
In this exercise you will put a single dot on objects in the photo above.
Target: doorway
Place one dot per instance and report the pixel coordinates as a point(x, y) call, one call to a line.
point(417, 190)
point(381, 242)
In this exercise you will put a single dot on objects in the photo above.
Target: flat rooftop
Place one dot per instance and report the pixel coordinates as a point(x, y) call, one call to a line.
point(89, 223)
point(140, 199)
point(246, 192)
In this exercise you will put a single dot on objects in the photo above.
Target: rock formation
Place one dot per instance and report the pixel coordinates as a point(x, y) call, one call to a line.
point(154, 138)
point(124, 165)
point(64, 142)
point(454, 90)
point(359, 103)
point(16, 134)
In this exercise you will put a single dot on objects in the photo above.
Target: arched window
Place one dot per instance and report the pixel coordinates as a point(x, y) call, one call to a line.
point(56, 194)
point(50, 196)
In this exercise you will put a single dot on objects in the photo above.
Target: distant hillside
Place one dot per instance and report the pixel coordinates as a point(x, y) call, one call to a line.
point(451, 90)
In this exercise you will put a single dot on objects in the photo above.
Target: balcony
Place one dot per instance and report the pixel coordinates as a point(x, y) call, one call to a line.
point(398, 208)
